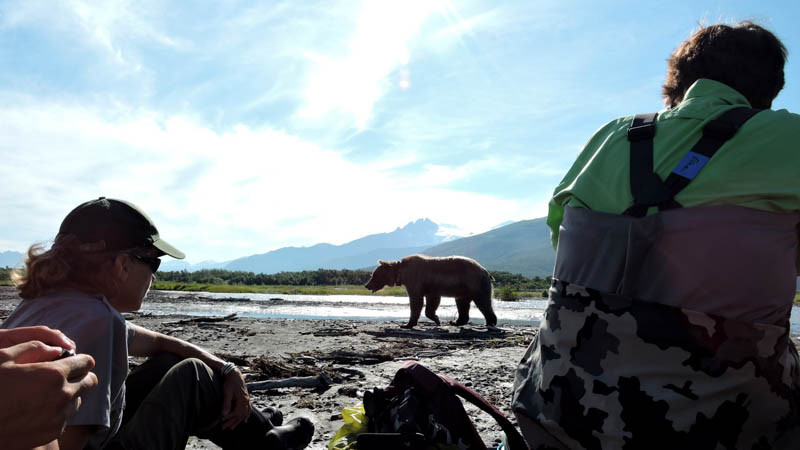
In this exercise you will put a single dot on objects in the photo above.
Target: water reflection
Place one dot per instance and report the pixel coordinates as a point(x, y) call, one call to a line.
point(351, 307)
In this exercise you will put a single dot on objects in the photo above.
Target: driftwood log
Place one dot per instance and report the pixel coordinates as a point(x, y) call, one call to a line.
point(367, 358)
point(321, 381)
point(202, 320)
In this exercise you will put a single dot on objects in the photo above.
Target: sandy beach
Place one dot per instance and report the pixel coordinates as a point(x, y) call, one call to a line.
point(356, 355)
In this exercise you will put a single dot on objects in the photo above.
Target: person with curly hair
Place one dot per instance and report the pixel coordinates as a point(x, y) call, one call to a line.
point(676, 237)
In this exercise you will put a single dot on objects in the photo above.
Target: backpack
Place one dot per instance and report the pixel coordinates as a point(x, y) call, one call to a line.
point(421, 409)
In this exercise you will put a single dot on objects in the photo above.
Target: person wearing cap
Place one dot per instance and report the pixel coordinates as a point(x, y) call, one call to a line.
point(102, 264)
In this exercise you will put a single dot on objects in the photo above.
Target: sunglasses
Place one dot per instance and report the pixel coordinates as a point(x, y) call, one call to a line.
point(151, 261)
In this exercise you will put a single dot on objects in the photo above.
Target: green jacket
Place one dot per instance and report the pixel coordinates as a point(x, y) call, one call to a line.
point(758, 168)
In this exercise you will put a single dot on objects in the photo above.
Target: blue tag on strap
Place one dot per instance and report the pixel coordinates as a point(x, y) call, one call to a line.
point(690, 165)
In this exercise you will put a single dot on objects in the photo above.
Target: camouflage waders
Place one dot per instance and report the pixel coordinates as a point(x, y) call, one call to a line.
point(609, 372)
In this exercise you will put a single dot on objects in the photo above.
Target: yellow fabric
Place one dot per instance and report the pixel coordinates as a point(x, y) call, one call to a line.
point(355, 422)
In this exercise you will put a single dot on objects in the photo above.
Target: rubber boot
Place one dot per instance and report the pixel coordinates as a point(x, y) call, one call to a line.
point(247, 435)
point(295, 435)
point(274, 415)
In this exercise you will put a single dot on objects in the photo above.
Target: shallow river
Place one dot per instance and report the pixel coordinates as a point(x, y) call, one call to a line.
point(352, 307)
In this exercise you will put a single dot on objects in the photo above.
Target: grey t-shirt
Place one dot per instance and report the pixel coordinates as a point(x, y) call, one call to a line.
point(98, 330)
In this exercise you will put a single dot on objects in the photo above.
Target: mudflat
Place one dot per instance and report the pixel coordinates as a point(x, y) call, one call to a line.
point(353, 356)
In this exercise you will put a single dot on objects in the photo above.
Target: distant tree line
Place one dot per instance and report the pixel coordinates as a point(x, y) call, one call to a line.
point(320, 277)
point(325, 277)
point(519, 282)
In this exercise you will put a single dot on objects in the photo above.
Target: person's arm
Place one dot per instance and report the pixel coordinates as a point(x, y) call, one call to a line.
point(37, 394)
point(148, 343)
point(236, 400)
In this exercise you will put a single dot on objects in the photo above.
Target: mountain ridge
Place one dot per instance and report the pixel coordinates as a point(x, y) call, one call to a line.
point(413, 237)
point(519, 247)
point(10, 259)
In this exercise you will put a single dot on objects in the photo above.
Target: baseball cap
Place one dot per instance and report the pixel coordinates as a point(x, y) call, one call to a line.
point(120, 225)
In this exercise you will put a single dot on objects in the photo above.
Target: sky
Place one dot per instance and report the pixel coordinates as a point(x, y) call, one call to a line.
point(244, 126)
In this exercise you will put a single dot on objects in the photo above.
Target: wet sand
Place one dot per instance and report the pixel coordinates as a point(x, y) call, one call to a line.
point(357, 356)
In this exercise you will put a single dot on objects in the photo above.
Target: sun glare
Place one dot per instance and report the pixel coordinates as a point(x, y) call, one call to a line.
point(379, 46)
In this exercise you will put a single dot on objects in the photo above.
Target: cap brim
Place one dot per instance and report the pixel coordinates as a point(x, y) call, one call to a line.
point(168, 249)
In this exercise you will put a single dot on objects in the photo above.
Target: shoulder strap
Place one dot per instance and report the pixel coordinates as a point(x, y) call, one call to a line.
point(715, 133)
point(515, 439)
point(646, 186)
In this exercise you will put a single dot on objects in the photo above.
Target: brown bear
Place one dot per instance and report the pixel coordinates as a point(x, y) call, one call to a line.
point(431, 278)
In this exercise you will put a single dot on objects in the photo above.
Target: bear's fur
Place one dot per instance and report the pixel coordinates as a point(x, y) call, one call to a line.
point(431, 278)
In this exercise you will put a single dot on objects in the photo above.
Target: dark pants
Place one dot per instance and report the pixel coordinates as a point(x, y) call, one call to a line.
point(169, 399)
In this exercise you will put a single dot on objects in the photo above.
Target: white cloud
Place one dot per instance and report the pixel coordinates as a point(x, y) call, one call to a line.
point(216, 195)
point(353, 117)
point(459, 26)
point(440, 175)
point(354, 81)
point(109, 26)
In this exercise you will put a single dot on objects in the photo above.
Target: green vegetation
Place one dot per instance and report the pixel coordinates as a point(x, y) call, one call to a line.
point(5, 276)
point(320, 277)
point(311, 282)
point(507, 294)
point(507, 286)
point(342, 289)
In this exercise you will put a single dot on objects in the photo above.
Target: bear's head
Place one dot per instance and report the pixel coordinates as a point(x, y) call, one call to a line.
point(386, 274)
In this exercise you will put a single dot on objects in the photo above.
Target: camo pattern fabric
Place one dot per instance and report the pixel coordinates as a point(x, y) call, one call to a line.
point(609, 372)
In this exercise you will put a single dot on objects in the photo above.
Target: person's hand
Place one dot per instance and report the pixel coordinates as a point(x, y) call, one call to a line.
point(235, 400)
point(37, 394)
point(44, 334)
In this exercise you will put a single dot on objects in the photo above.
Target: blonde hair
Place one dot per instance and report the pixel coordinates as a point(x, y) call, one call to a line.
point(66, 265)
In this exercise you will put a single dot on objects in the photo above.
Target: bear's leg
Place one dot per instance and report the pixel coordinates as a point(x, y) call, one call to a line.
point(416, 309)
point(484, 304)
point(462, 304)
point(431, 305)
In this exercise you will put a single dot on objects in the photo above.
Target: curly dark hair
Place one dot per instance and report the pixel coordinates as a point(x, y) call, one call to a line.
point(745, 56)
point(65, 266)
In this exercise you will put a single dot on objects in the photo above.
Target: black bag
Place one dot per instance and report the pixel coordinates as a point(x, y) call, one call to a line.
point(420, 409)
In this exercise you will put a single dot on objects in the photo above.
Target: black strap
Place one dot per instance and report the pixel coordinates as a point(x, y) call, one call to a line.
point(646, 186)
point(514, 438)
